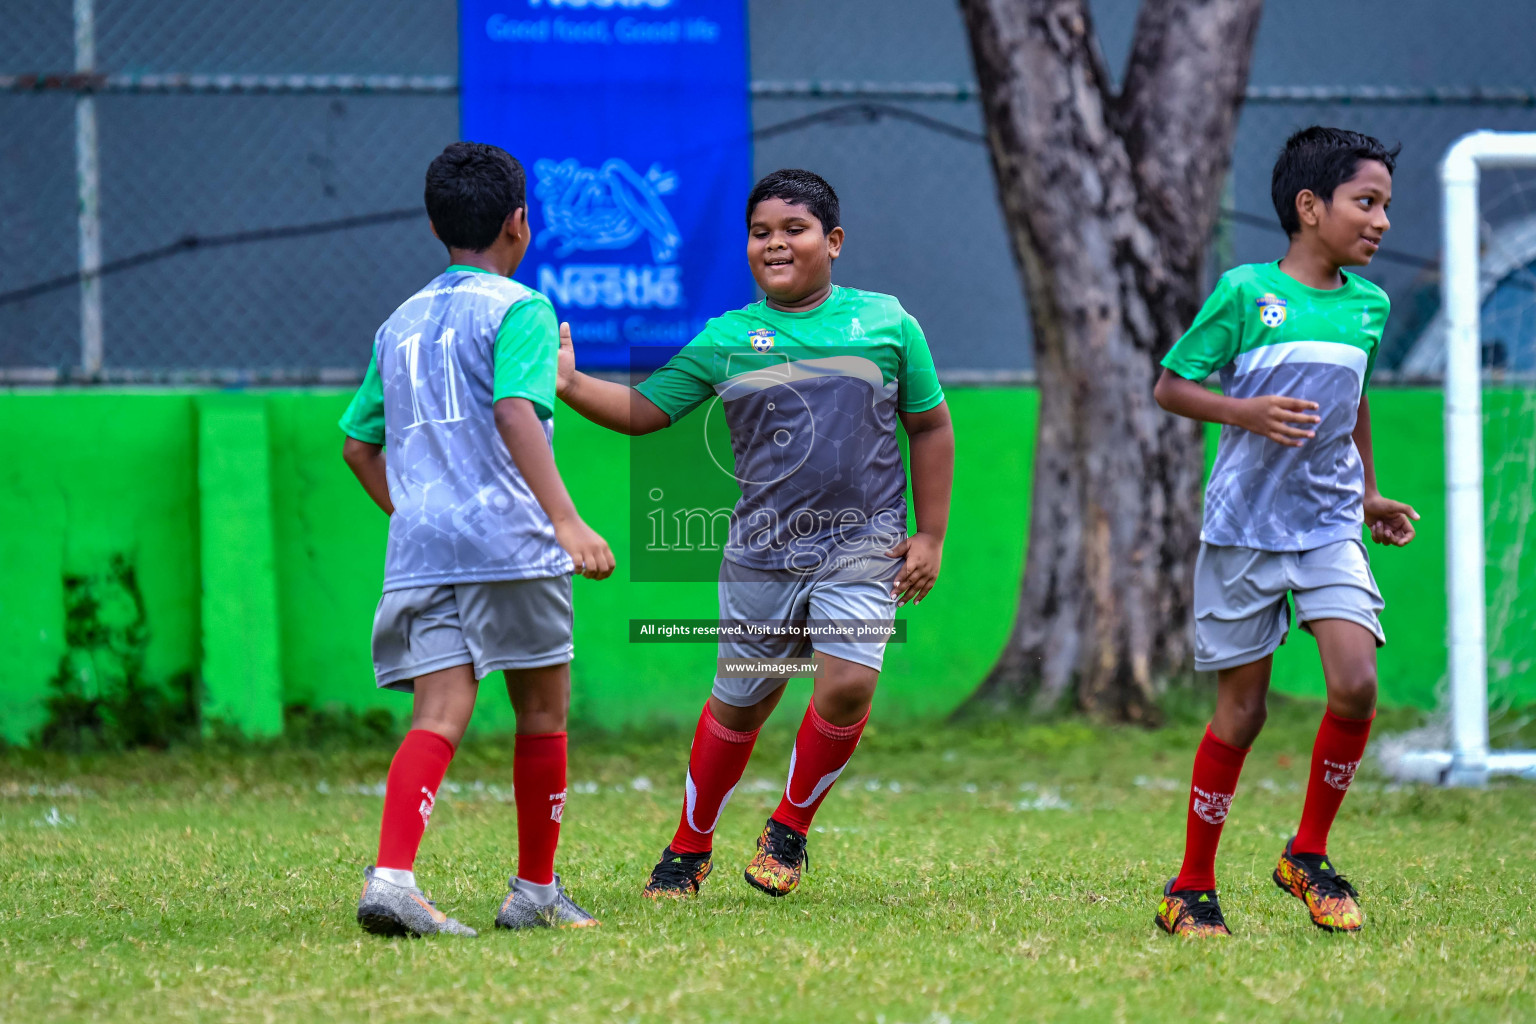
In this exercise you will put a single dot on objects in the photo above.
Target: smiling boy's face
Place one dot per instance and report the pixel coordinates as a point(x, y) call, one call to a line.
point(1350, 227)
point(789, 253)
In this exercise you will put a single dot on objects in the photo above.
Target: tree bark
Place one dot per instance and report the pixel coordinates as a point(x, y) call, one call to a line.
point(1109, 201)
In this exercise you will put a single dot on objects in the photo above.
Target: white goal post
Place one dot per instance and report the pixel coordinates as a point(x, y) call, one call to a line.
point(1469, 762)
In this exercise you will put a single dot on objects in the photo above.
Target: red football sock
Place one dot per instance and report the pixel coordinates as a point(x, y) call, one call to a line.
point(715, 764)
point(1217, 766)
point(821, 753)
point(538, 786)
point(414, 775)
point(1335, 756)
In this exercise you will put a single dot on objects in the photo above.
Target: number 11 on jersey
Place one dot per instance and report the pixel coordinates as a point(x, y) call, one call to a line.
point(423, 395)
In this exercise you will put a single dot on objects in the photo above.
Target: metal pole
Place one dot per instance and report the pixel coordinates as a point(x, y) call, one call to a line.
point(87, 180)
point(1469, 762)
point(1460, 288)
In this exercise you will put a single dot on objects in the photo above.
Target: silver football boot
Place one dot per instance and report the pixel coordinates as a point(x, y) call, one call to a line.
point(519, 910)
point(390, 909)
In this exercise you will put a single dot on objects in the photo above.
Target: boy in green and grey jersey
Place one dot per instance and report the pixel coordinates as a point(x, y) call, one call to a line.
point(1266, 333)
point(841, 371)
point(1294, 343)
point(813, 382)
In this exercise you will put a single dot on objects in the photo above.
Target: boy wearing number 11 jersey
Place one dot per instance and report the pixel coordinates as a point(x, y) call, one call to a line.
point(450, 434)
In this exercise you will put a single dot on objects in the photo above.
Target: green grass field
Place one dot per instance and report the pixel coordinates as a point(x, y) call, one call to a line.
point(1003, 873)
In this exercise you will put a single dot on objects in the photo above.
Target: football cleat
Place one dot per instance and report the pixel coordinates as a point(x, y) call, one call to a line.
point(389, 909)
point(780, 856)
point(1328, 896)
point(1193, 912)
point(519, 910)
point(678, 875)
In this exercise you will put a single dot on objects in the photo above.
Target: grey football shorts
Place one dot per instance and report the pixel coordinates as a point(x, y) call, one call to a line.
point(492, 626)
point(859, 589)
point(1241, 608)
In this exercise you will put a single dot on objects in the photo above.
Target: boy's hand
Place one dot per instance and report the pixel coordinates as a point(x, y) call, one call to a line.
point(1275, 416)
point(1391, 522)
point(587, 549)
point(565, 365)
point(923, 554)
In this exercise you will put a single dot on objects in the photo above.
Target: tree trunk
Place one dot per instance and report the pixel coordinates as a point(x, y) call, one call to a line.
point(1109, 201)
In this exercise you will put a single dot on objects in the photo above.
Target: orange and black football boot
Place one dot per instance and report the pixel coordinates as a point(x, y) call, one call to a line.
point(1194, 912)
point(1328, 896)
point(678, 875)
point(780, 855)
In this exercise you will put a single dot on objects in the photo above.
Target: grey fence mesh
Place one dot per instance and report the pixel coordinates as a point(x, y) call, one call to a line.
point(259, 230)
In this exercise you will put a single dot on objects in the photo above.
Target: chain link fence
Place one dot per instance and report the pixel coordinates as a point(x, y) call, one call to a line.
point(259, 173)
point(260, 168)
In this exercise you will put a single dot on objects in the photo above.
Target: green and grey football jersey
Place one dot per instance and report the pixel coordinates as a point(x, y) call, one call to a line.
point(811, 401)
point(1269, 334)
point(463, 513)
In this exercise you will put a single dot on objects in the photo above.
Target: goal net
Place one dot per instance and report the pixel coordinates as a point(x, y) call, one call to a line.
point(1483, 342)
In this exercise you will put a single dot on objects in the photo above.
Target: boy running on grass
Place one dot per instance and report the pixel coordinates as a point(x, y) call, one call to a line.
point(482, 537)
point(1294, 342)
point(812, 381)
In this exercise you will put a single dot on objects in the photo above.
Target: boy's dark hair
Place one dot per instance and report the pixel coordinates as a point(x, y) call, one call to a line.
point(1321, 159)
point(472, 188)
point(799, 188)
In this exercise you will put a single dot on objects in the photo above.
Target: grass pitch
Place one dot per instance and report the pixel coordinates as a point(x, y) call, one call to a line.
point(1004, 873)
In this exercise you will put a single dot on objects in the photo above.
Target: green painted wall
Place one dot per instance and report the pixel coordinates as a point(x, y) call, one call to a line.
point(94, 474)
point(85, 476)
point(330, 551)
point(242, 674)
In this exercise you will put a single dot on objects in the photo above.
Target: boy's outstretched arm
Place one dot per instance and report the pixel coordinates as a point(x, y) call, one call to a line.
point(604, 402)
point(1280, 418)
point(523, 435)
point(931, 445)
point(367, 464)
point(1391, 522)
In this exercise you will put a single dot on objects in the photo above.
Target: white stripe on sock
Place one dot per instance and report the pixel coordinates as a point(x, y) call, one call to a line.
point(821, 787)
point(691, 798)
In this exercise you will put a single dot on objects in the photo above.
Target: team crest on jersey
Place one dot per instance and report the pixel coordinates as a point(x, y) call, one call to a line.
point(761, 339)
point(1271, 310)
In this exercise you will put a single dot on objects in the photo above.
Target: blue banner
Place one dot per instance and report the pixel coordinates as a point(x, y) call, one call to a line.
point(631, 118)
